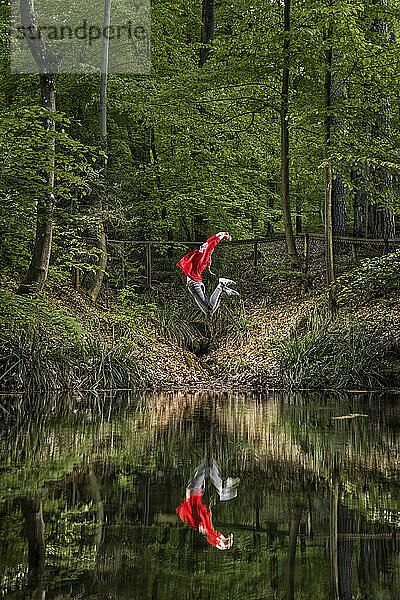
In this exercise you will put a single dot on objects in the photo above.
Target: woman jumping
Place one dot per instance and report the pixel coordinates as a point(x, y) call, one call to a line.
point(194, 263)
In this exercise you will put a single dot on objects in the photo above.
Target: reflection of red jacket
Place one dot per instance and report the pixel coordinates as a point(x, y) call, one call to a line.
point(194, 513)
point(194, 263)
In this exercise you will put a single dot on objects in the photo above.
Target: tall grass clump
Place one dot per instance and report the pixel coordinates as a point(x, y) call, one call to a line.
point(101, 364)
point(41, 348)
point(168, 319)
point(322, 353)
point(177, 326)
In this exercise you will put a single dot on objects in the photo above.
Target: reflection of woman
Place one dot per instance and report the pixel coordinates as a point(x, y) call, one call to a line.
point(195, 514)
point(194, 263)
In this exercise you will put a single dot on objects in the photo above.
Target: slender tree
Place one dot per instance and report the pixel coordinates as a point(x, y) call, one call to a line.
point(287, 217)
point(207, 38)
point(48, 65)
point(339, 208)
point(329, 247)
point(207, 30)
point(372, 216)
point(102, 240)
point(360, 203)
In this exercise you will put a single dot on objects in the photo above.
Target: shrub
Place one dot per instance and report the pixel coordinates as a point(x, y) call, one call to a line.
point(176, 326)
point(322, 354)
point(372, 279)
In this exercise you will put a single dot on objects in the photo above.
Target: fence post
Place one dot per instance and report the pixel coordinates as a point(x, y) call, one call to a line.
point(306, 250)
point(386, 246)
point(354, 251)
point(124, 282)
point(255, 255)
point(148, 264)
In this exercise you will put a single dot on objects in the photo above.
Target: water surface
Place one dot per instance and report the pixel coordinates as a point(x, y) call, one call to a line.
point(89, 487)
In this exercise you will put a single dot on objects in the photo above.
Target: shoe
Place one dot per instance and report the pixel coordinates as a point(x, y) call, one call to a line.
point(227, 493)
point(226, 282)
point(229, 490)
point(230, 292)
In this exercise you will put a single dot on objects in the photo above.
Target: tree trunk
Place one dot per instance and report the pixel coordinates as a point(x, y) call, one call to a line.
point(339, 209)
point(360, 203)
point(372, 217)
point(102, 264)
point(200, 222)
point(287, 218)
point(98, 204)
point(381, 222)
point(48, 65)
point(329, 249)
point(339, 212)
point(104, 72)
point(299, 224)
point(207, 30)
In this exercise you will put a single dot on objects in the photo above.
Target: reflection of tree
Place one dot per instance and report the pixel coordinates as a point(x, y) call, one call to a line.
point(99, 508)
point(345, 553)
point(333, 539)
point(291, 558)
point(32, 512)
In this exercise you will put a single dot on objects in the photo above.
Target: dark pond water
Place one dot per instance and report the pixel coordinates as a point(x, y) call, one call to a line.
point(89, 488)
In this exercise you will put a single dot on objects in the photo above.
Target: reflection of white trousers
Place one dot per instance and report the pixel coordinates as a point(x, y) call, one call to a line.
point(207, 468)
point(198, 291)
point(210, 468)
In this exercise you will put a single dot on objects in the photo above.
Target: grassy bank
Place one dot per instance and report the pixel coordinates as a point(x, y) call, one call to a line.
point(294, 341)
point(275, 336)
point(61, 341)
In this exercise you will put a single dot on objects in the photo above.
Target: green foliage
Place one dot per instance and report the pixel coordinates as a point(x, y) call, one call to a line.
point(322, 353)
point(37, 313)
point(110, 365)
point(374, 278)
point(194, 150)
point(42, 348)
point(24, 157)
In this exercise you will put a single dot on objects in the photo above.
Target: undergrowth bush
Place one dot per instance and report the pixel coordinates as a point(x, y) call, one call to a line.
point(320, 353)
point(231, 322)
point(374, 278)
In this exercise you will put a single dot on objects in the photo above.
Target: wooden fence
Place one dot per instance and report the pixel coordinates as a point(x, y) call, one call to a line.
point(354, 243)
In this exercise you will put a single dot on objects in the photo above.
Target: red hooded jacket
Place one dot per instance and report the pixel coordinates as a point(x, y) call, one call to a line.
point(194, 513)
point(194, 263)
